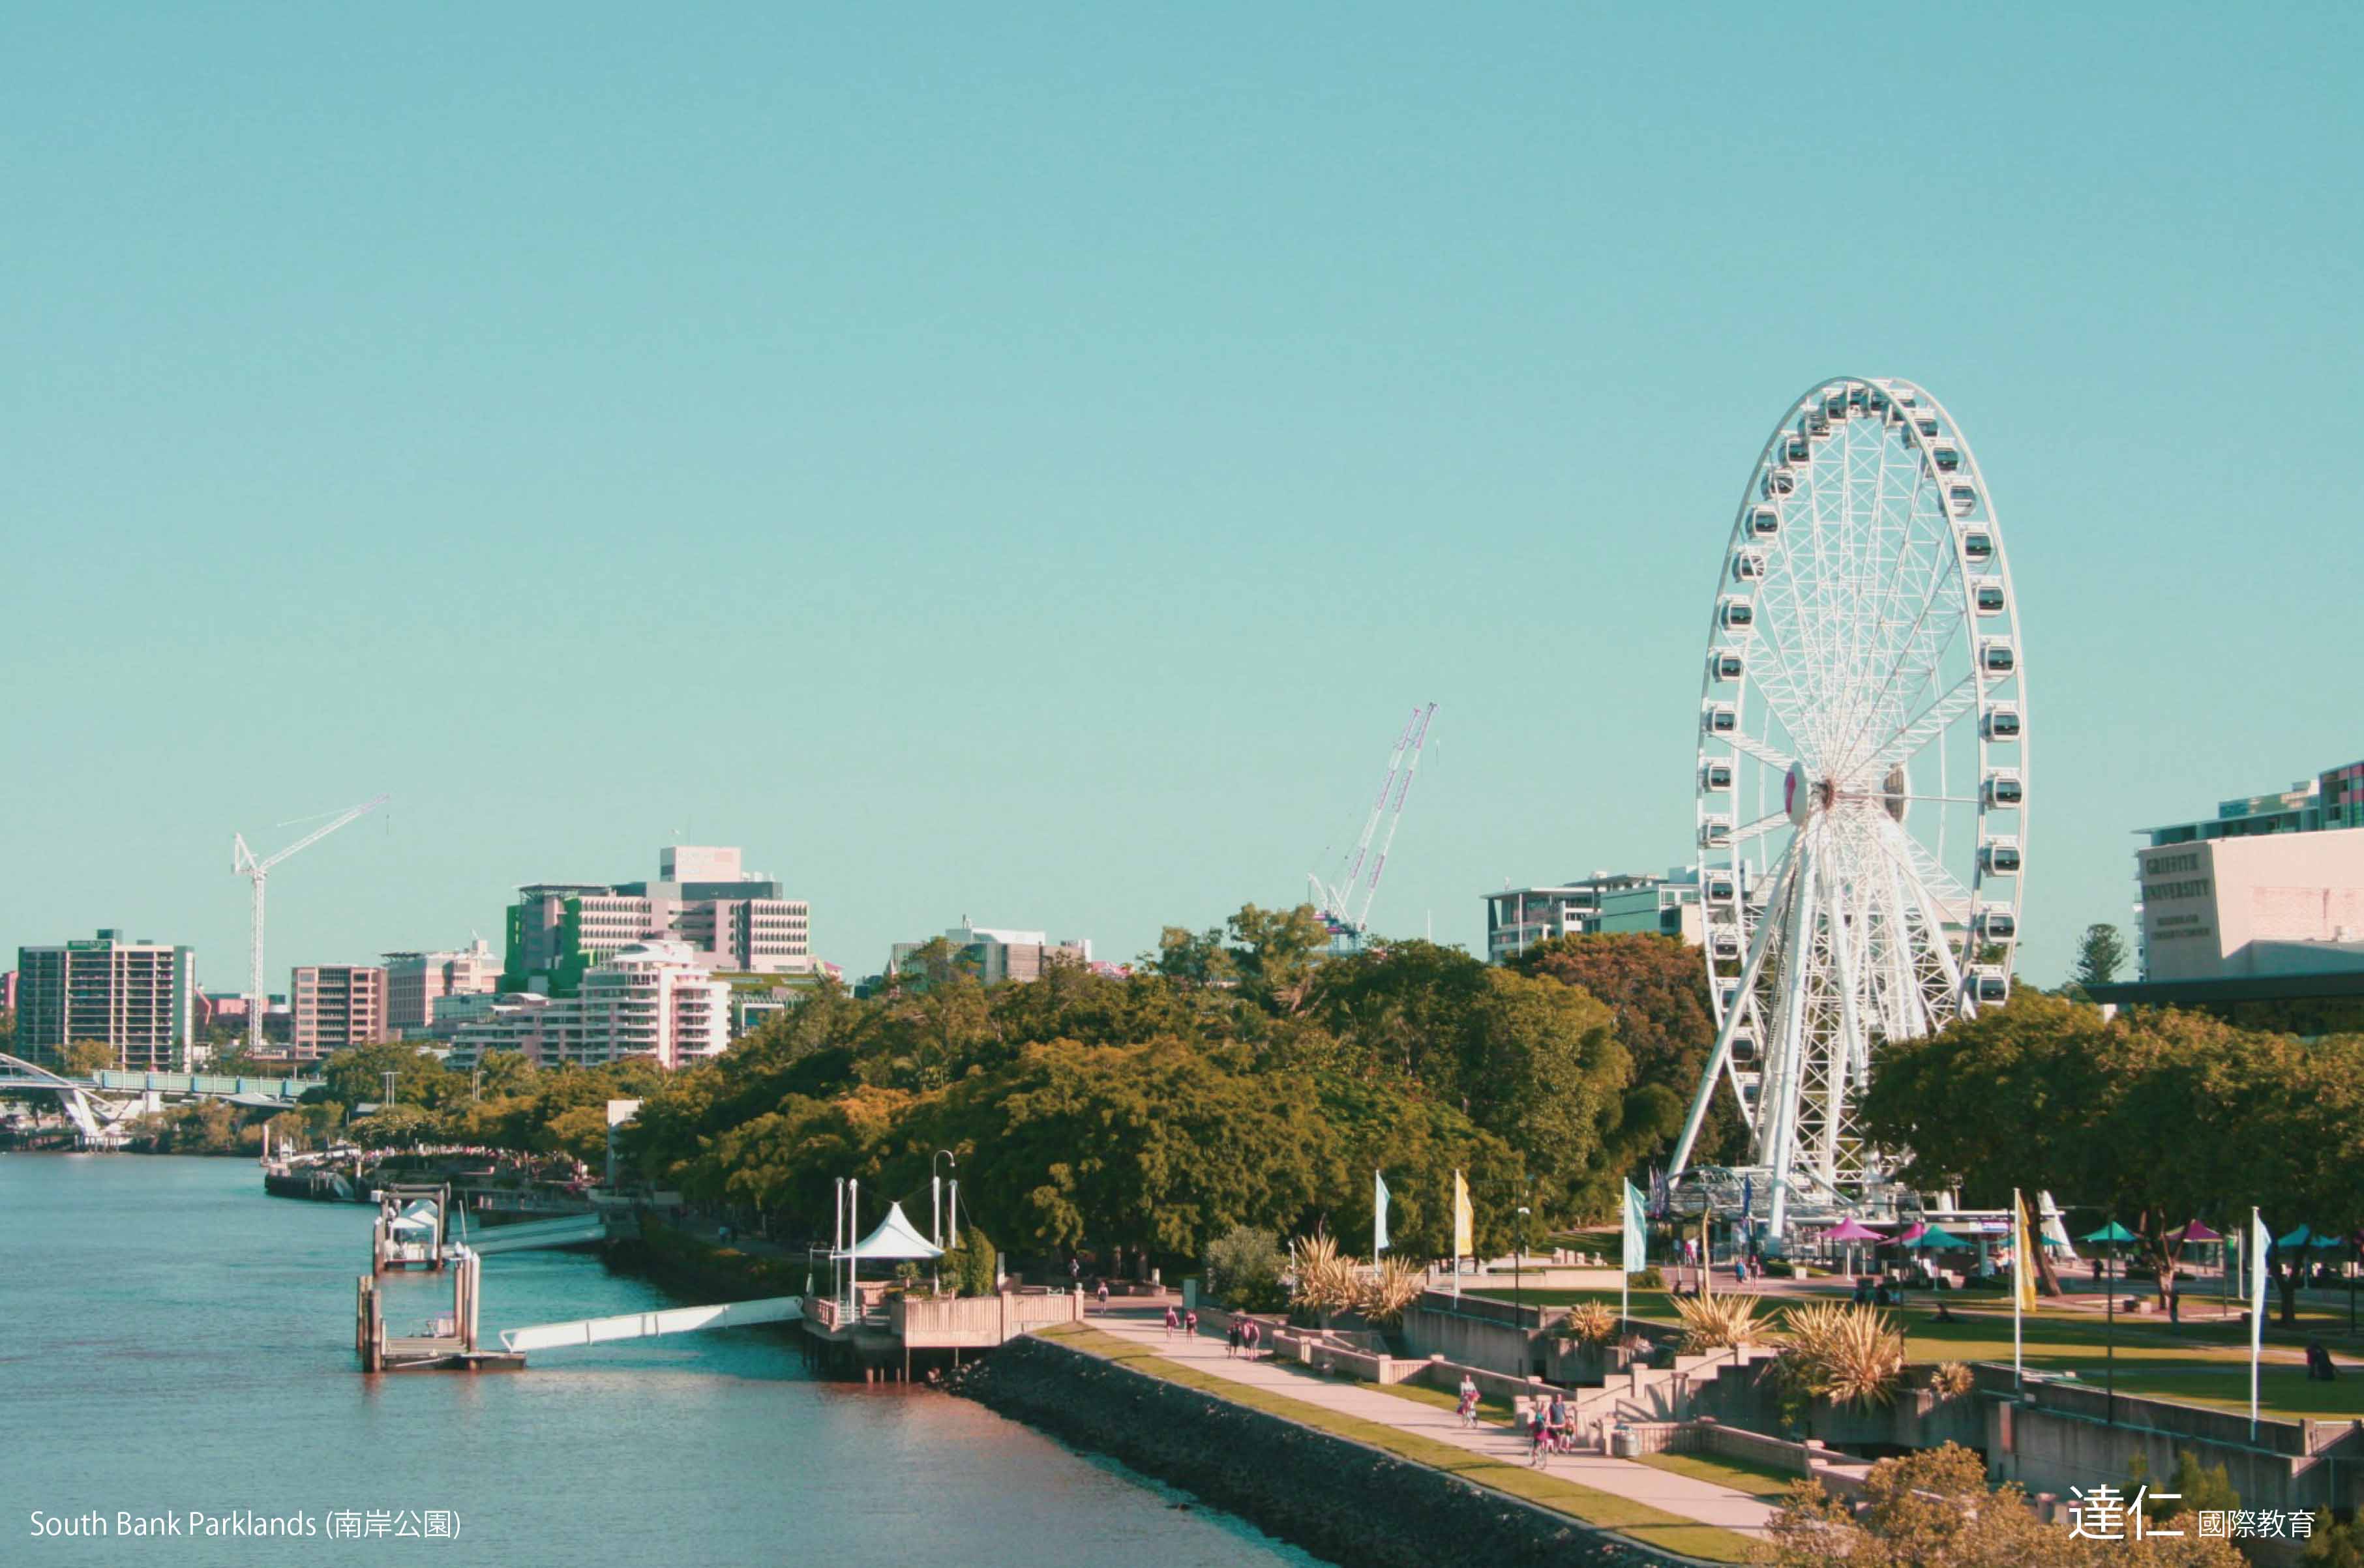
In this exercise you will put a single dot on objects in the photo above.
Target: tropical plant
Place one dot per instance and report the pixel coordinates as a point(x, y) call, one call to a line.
point(1953, 1378)
point(1846, 1354)
point(1591, 1323)
point(1323, 1279)
point(1712, 1322)
point(1392, 1288)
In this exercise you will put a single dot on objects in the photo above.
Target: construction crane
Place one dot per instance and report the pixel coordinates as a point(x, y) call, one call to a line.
point(244, 861)
point(1342, 911)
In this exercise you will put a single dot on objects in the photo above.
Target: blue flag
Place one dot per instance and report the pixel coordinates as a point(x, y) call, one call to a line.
point(1378, 1215)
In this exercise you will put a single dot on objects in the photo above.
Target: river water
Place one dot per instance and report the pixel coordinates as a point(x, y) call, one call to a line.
point(173, 1342)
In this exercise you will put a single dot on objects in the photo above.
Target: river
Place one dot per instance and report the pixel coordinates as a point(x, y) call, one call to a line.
point(173, 1342)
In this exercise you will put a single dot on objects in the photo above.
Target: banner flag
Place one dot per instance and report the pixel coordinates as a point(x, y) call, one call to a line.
point(1463, 1222)
point(2259, 1239)
point(1378, 1215)
point(1636, 1239)
point(2023, 1252)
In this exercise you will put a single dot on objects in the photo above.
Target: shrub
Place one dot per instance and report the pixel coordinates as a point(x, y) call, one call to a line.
point(1953, 1378)
point(1650, 1279)
point(1243, 1269)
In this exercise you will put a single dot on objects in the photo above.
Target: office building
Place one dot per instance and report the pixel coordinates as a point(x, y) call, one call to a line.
point(733, 920)
point(334, 1006)
point(138, 997)
point(417, 981)
point(994, 955)
point(1603, 902)
point(2262, 902)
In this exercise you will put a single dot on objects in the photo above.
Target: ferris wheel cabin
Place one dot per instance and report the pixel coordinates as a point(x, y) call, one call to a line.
point(1764, 521)
point(1999, 857)
point(2003, 787)
point(1725, 664)
point(2000, 723)
point(1737, 613)
point(1998, 656)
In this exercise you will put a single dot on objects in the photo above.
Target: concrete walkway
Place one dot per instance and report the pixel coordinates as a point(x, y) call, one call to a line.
point(1663, 1489)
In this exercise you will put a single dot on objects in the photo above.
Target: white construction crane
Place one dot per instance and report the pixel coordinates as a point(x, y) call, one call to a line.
point(243, 862)
point(1345, 917)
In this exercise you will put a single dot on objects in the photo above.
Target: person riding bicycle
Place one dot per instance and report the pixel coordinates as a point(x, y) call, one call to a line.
point(1539, 1434)
point(1468, 1409)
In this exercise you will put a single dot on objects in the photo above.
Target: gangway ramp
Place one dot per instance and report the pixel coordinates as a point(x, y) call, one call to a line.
point(570, 1231)
point(643, 1325)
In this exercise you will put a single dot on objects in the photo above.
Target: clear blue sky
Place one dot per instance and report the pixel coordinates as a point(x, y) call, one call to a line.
point(1024, 463)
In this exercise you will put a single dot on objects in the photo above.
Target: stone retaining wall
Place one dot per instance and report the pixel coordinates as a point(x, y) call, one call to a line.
point(1339, 1499)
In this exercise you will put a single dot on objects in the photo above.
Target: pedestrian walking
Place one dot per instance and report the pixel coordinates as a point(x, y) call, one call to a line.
point(1467, 1409)
point(1251, 1334)
point(1190, 1321)
point(1103, 1294)
point(1171, 1323)
point(1231, 1339)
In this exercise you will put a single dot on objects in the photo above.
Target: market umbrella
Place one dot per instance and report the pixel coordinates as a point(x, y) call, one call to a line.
point(1852, 1230)
point(1912, 1233)
point(2198, 1231)
point(2116, 1234)
point(2301, 1237)
point(1933, 1237)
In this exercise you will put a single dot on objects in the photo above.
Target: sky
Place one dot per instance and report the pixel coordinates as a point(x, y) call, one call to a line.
point(1023, 462)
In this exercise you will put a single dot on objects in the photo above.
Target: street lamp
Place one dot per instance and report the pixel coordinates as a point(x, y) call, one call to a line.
point(1518, 1259)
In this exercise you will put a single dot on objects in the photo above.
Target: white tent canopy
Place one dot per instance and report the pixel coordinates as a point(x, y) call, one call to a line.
point(894, 1241)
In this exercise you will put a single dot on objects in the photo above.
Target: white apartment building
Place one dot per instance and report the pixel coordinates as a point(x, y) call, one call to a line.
point(652, 999)
point(414, 982)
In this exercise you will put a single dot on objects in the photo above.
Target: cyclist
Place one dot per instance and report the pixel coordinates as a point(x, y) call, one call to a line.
point(1468, 1409)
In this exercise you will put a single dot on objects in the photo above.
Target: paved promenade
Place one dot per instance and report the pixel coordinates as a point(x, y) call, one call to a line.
point(1695, 1499)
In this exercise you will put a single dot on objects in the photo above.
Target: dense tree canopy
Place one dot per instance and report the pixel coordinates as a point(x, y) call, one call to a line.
point(2156, 1117)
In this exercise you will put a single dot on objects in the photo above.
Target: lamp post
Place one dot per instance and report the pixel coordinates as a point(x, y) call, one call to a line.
point(2110, 1316)
point(1518, 1262)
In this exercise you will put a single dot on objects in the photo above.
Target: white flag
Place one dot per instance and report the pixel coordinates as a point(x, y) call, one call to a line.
point(2260, 1239)
point(1378, 1215)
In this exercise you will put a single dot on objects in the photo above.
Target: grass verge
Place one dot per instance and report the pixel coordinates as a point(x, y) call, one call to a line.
point(1653, 1527)
point(1740, 1475)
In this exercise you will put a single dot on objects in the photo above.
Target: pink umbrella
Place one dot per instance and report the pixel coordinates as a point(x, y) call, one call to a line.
point(2197, 1231)
point(1913, 1232)
point(1852, 1230)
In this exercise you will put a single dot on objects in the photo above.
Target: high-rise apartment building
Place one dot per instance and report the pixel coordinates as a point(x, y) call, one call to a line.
point(414, 982)
point(138, 997)
point(732, 920)
point(657, 1000)
point(335, 1005)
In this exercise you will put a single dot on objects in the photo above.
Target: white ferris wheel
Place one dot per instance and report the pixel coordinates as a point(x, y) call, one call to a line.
point(1862, 776)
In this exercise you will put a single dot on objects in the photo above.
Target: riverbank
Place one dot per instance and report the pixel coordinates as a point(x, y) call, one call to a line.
point(1354, 1492)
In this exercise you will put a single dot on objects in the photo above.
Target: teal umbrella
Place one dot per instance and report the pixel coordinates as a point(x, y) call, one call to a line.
point(2301, 1237)
point(2114, 1233)
point(1935, 1236)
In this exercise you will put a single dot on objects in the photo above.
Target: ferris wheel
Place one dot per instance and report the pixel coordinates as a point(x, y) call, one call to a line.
point(1862, 775)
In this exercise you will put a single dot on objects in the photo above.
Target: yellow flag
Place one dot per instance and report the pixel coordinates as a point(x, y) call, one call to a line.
point(1463, 1223)
point(2023, 1253)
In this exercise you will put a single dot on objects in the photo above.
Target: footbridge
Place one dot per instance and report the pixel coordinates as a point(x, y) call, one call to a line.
point(569, 1231)
point(647, 1324)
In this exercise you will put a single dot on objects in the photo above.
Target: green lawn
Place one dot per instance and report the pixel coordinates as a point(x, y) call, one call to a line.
point(1740, 1475)
point(1651, 1526)
point(1488, 1409)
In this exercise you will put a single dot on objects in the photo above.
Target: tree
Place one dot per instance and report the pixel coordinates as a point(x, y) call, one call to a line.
point(1934, 1507)
point(2101, 953)
point(1242, 1268)
point(1274, 951)
point(1656, 988)
point(971, 1266)
point(1547, 1075)
point(85, 1057)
